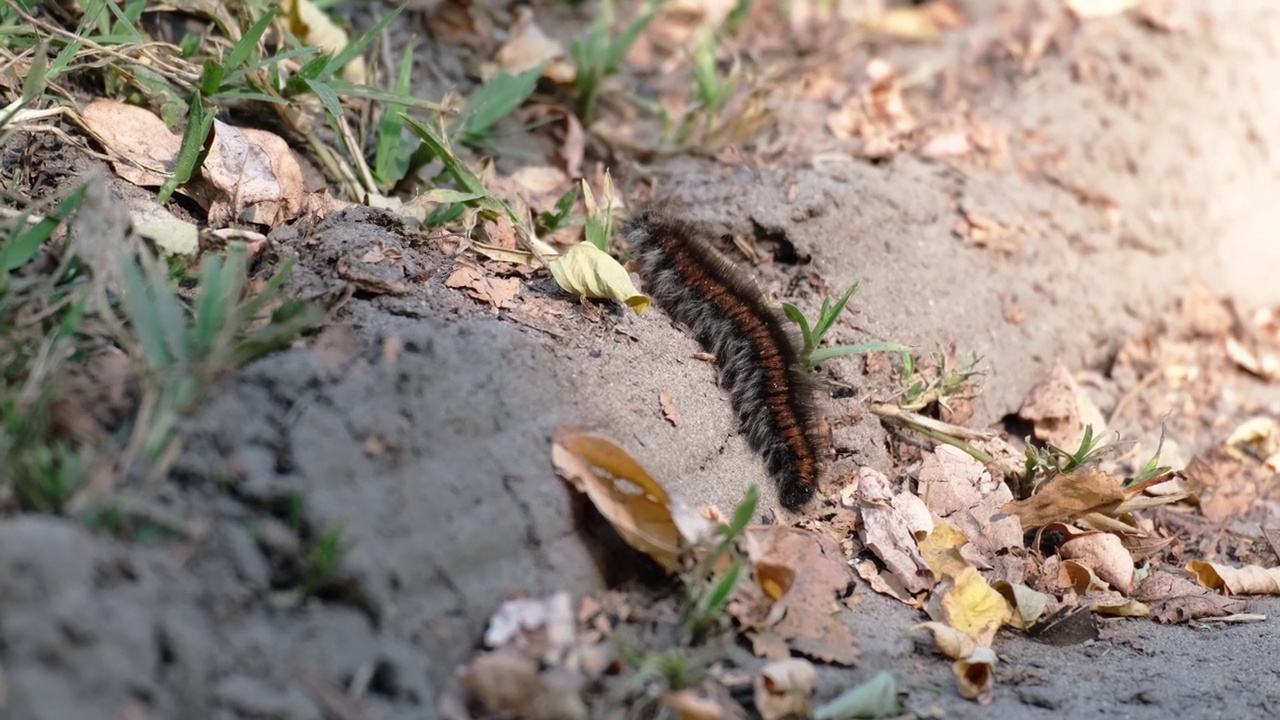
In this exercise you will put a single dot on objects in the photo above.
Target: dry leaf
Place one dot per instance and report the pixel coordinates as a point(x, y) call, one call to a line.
point(1068, 496)
point(691, 704)
point(249, 175)
point(144, 150)
point(809, 611)
point(1247, 580)
point(170, 234)
point(905, 23)
point(640, 509)
point(585, 270)
point(976, 675)
point(1173, 599)
point(500, 293)
point(503, 682)
point(961, 491)
point(528, 47)
point(971, 606)
point(1106, 555)
point(953, 643)
point(1059, 410)
point(941, 550)
point(784, 688)
point(1028, 605)
point(1255, 440)
point(886, 533)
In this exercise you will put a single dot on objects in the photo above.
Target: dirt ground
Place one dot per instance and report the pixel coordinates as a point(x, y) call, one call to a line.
point(421, 425)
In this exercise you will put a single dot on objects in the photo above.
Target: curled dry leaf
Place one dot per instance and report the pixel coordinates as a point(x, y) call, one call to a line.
point(1173, 599)
point(1080, 578)
point(1028, 605)
point(1059, 409)
point(976, 675)
point(1256, 440)
point(950, 641)
point(1247, 580)
point(586, 271)
point(783, 688)
point(1067, 497)
point(1106, 555)
point(639, 508)
point(695, 704)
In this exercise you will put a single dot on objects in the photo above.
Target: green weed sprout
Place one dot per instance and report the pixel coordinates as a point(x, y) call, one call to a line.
point(599, 55)
point(811, 354)
point(704, 604)
point(325, 561)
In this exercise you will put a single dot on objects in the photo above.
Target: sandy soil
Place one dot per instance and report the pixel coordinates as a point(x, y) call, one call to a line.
point(421, 424)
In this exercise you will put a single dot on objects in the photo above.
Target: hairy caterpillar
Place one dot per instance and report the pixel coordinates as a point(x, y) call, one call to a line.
point(754, 345)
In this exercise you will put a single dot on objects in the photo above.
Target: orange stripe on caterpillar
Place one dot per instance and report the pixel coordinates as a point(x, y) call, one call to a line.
point(754, 345)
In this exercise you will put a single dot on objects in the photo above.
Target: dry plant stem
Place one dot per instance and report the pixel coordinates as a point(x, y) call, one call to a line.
point(356, 157)
point(186, 77)
point(936, 429)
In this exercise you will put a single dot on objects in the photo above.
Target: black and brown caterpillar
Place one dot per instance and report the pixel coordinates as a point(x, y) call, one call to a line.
point(754, 345)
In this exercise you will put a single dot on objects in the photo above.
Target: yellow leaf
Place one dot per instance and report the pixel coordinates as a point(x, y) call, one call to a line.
point(949, 641)
point(941, 550)
point(587, 271)
point(973, 607)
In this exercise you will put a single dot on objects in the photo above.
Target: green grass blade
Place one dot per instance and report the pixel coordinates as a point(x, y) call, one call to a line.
point(24, 244)
point(248, 42)
point(823, 354)
point(828, 317)
point(495, 100)
point(191, 153)
point(357, 46)
point(391, 160)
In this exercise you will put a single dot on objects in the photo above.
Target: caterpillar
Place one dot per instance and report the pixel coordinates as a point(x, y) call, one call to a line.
point(754, 345)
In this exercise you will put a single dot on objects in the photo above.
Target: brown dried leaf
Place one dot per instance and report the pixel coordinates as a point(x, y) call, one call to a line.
point(1173, 599)
point(1060, 409)
point(812, 623)
point(1068, 496)
point(1106, 555)
point(500, 293)
point(886, 533)
point(639, 508)
point(966, 495)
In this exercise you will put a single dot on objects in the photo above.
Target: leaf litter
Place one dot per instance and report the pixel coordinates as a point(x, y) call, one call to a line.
point(976, 545)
